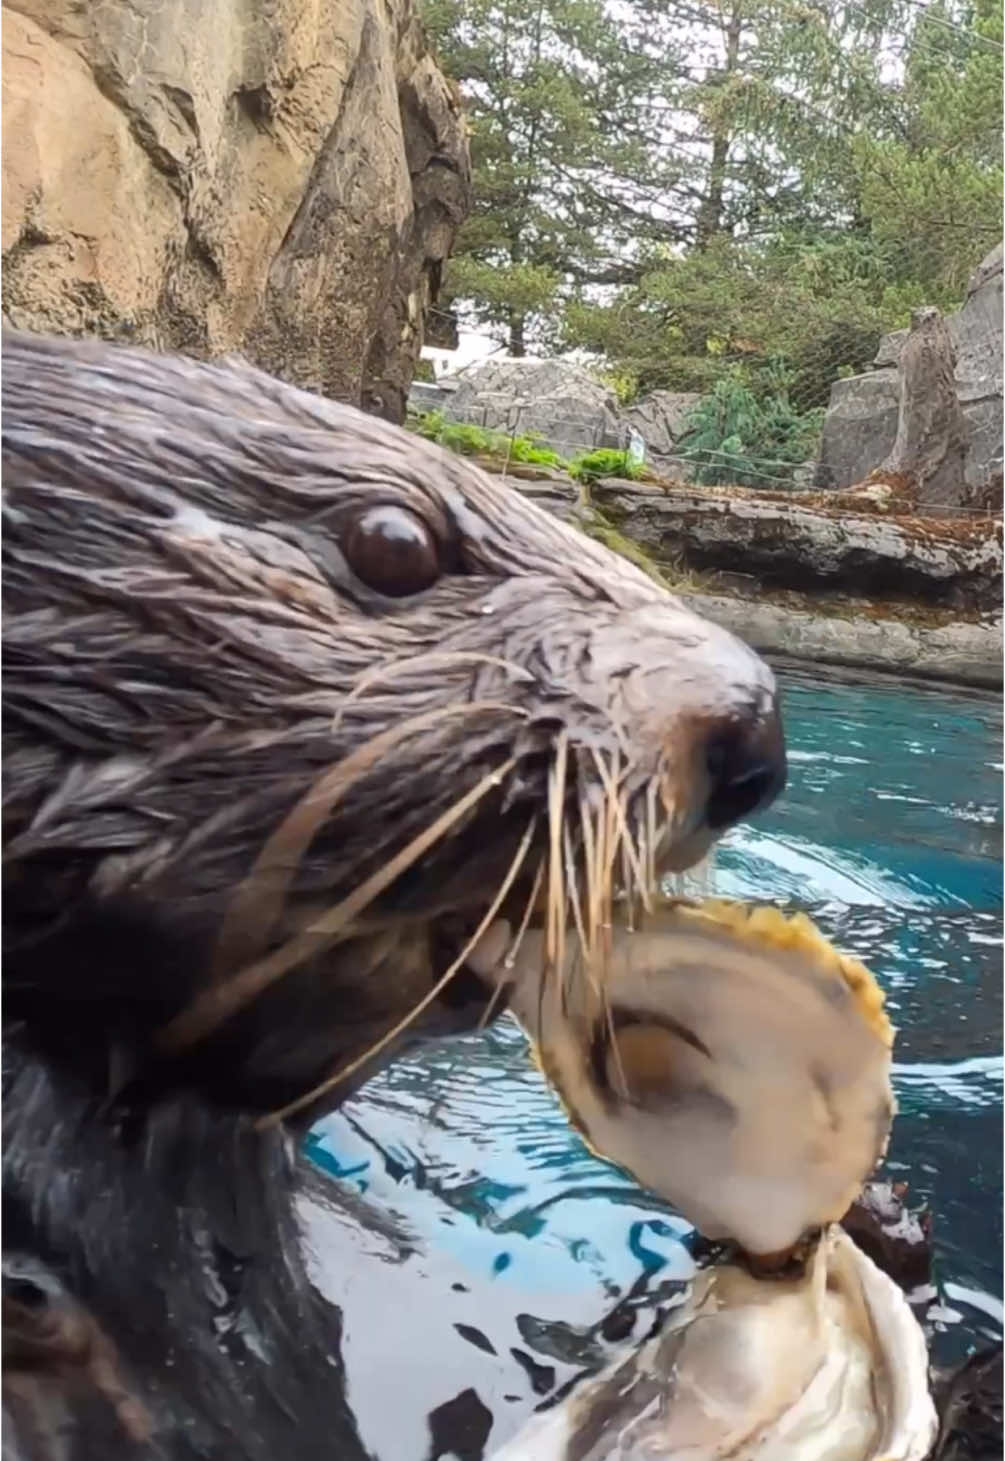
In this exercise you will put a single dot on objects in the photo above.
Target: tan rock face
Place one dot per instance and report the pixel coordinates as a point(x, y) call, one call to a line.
point(280, 179)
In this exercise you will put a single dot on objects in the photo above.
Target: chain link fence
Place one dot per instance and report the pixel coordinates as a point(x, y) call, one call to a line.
point(521, 436)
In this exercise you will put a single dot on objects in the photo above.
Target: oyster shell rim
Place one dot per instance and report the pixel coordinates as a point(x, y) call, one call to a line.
point(909, 1414)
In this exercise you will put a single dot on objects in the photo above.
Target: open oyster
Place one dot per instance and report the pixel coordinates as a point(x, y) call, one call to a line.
point(738, 1066)
point(732, 1061)
point(829, 1366)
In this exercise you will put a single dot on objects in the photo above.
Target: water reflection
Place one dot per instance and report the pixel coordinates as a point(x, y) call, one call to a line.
point(521, 1258)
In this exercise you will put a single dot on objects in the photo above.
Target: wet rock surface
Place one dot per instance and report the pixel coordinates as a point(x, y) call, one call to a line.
point(854, 636)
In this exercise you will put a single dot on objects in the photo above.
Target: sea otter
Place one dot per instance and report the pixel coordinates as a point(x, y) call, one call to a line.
point(294, 705)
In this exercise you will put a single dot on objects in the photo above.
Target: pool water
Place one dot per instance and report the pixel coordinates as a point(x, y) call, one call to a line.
point(520, 1259)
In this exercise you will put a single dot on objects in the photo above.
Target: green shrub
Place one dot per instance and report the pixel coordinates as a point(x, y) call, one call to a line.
point(467, 441)
point(527, 449)
point(604, 461)
point(474, 441)
point(753, 440)
point(623, 383)
point(597, 526)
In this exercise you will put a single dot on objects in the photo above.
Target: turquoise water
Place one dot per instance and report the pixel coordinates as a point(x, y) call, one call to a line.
point(511, 1233)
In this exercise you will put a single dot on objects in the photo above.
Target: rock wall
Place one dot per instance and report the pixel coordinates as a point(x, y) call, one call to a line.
point(553, 399)
point(962, 653)
point(866, 412)
point(564, 404)
point(784, 543)
point(661, 420)
point(282, 180)
point(920, 636)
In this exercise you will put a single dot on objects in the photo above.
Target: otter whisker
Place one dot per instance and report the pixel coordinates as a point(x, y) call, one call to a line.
point(591, 861)
point(434, 659)
point(596, 829)
point(640, 885)
point(555, 925)
point(626, 880)
point(343, 1073)
point(615, 833)
point(510, 957)
point(615, 1049)
point(573, 893)
point(615, 829)
point(628, 846)
point(653, 834)
point(256, 906)
point(528, 914)
point(617, 805)
point(218, 1002)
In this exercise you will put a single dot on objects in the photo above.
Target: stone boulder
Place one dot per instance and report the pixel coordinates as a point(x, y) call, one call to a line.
point(864, 417)
point(931, 445)
point(789, 545)
point(859, 429)
point(284, 181)
point(430, 395)
point(978, 337)
point(661, 420)
point(553, 399)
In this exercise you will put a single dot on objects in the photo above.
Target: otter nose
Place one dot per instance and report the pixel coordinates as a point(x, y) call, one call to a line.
point(746, 769)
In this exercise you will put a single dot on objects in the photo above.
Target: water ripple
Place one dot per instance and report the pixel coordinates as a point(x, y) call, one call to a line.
point(890, 837)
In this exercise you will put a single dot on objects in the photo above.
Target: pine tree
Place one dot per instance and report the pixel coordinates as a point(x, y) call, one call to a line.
point(538, 81)
point(694, 185)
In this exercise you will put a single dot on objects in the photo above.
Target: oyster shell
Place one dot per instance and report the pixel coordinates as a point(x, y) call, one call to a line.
point(739, 1066)
point(732, 1060)
point(830, 1366)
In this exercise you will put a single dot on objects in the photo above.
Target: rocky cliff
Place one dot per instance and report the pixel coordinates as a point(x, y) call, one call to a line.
point(802, 543)
point(832, 578)
point(933, 404)
point(282, 180)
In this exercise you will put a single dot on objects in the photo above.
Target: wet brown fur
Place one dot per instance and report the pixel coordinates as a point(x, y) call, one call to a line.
point(214, 734)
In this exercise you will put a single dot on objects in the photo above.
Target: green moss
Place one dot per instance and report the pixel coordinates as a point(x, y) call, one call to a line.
point(675, 577)
point(604, 462)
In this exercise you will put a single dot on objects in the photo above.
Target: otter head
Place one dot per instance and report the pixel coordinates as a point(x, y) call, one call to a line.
point(296, 704)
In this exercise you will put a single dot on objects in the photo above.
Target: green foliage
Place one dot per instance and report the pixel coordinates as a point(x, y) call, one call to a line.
point(536, 78)
point(466, 440)
point(736, 437)
point(527, 449)
point(604, 462)
point(622, 382)
point(933, 187)
point(475, 441)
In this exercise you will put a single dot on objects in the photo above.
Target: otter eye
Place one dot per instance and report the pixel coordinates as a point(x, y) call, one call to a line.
point(392, 551)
